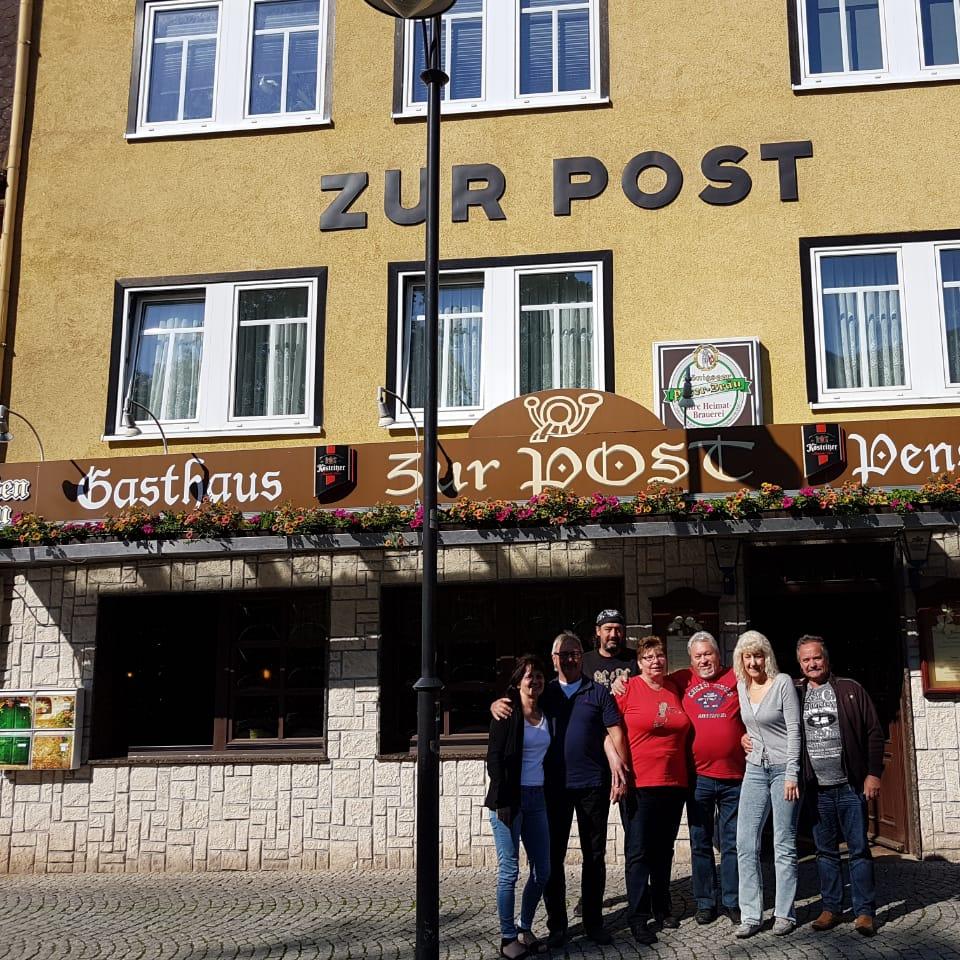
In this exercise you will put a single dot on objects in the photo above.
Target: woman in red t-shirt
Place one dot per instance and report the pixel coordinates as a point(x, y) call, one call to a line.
point(660, 736)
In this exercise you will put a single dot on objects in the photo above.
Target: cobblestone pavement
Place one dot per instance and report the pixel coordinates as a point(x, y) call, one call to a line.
point(334, 916)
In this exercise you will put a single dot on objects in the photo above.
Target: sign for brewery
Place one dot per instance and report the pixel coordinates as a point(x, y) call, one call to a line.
point(721, 378)
point(584, 441)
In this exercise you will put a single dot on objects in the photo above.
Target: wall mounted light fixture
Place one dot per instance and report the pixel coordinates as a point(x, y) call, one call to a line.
point(6, 436)
point(128, 425)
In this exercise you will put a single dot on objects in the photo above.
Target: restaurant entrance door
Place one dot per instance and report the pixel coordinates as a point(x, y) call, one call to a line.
point(847, 593)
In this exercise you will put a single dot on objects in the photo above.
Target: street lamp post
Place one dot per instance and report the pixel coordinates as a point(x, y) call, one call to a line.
point(428, 686)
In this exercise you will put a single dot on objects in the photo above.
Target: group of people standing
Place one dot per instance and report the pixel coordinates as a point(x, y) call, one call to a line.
point(731, 744)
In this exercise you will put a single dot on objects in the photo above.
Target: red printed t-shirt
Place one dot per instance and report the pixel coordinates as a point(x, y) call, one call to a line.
point(714, 708)
point(659, 734)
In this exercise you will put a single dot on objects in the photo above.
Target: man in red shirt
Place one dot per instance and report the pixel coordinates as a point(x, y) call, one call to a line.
point(710, 700)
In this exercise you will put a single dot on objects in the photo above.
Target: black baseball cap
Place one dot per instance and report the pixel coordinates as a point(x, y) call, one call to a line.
point(611, 616)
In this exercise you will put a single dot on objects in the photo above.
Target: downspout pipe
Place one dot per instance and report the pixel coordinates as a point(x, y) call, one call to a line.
point(14, 153)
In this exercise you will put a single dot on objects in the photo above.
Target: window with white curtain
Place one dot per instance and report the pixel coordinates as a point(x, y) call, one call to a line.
point(237, 353)
point(271, 358)
point(556, 330)
point(887, 322)
point(508, 54)
point(860, 42)
point(460, 312)
point(202, 67)
point(166, 369)
point(506, 328)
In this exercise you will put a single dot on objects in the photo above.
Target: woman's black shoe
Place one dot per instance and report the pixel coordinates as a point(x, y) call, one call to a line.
point(665, 922)
point(643, 934)
point(705, 916)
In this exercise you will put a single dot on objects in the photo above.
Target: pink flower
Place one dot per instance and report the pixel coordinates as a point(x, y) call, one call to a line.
point(808, 492)
point(148, 529)
point(788, 502)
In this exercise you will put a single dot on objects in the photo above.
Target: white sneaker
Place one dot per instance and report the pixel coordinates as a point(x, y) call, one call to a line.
point(782, 926)
point(747, 930)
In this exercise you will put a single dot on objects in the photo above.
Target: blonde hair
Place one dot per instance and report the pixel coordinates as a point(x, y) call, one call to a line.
point(753, 641)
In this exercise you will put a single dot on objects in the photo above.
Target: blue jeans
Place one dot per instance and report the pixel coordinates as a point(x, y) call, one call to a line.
point(529, 827)
point(841, 811)
point(714, 799)
point(762, 791)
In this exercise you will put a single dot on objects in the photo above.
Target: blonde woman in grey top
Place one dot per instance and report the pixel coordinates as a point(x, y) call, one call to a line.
point(771, 713)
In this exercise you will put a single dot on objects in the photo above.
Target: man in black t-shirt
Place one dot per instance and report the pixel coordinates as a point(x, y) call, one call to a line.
point(610, 658)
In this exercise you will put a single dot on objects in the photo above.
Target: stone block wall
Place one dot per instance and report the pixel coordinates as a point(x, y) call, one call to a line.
point(350, 809)
point(936, 726)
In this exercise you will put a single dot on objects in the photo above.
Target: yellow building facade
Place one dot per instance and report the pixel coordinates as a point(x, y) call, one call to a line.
point(218, 231)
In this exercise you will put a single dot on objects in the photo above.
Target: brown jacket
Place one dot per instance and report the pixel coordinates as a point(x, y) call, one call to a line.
point(860, 732)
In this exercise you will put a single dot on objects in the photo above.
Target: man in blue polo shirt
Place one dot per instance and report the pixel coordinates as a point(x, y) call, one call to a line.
point(581, 773)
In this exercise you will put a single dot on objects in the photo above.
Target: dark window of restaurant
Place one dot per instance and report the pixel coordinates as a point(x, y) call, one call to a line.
point(481, 629)
point(210, 672)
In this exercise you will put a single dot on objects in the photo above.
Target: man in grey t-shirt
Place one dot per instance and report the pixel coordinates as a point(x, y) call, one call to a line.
point(821, 729)
point(842, 764)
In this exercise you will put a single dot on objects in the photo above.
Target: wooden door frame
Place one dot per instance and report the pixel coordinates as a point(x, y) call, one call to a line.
point(906, 611)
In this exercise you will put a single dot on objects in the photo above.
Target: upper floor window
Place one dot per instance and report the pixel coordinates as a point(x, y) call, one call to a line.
point(506, 327)
point(886, 321)
point(238, 353)
point(229, 64)
point(855, 42)
point(505, 54)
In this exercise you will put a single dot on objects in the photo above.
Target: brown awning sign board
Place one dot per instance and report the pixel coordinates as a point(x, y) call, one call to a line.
point(584, 441)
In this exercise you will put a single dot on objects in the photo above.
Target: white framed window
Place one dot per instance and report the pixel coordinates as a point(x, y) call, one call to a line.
point(506, 327)
point(886, 323)
point(844, 43)
point(509, 54)
point(203, 66)
point(219, 355)
point(558, 331)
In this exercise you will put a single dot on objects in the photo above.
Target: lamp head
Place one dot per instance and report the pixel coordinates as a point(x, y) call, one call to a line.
point(411, 9)
point(5, 435)
point(386, 416)
point(128, 426)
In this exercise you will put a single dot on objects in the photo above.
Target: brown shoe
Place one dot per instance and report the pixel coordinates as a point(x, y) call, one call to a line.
point(865, 925)
point(826, 921)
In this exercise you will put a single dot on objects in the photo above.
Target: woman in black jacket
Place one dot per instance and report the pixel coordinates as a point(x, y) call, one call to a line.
point(518, 810)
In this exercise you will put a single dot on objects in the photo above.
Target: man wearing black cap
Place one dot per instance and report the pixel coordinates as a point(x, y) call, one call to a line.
point(610, 659)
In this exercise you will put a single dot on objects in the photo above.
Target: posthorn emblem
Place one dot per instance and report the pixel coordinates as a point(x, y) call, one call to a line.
point(561, 416)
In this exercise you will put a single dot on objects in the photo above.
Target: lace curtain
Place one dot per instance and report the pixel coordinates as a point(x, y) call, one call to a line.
point(862, 328)
point(461, 342)
point(271, 353)
point(167, 368)
point(556, 331)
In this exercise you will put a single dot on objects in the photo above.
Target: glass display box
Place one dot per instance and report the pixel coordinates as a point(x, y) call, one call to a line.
point(39, 729)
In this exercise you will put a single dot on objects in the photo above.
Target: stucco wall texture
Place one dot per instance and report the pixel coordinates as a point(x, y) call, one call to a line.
point(97, 207)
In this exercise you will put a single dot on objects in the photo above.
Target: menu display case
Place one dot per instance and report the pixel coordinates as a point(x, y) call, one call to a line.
point(39, 729)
